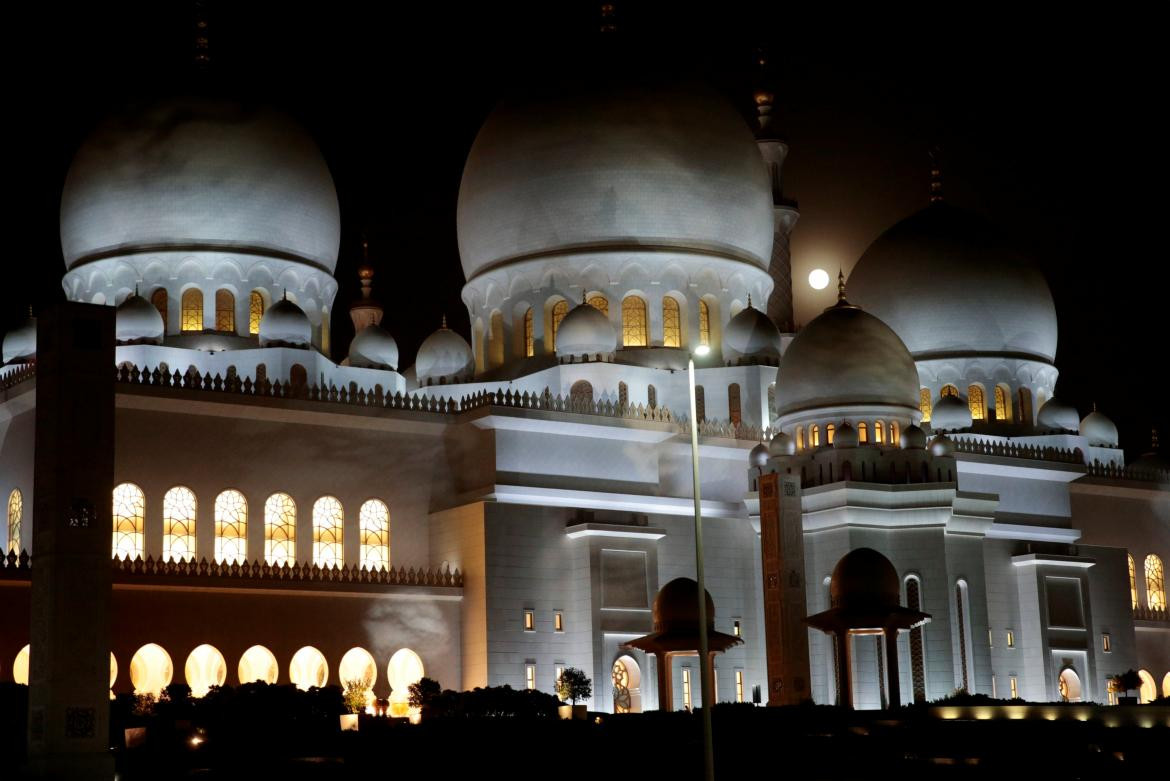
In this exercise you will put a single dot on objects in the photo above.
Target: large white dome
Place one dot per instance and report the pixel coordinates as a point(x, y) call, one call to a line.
point(616, 169)
point(951, 287)
point(195, 174)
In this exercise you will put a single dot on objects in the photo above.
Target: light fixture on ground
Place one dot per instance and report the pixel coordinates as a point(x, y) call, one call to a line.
point(704, 654)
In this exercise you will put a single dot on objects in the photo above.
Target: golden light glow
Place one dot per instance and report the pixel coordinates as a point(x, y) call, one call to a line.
point(15, 516)
point(308, 668)
point(1003, 404)
point(359, 665)
point(20, 667)
point(258, 664)
point(1133, 594)
point(129, 521)
point(529, 335)
point(830, 431)
point(814, 436)
point(151, 670)
point(948, 390)
point(1155, 583)
point(205, 668)
point(977, 402)
point(924, 404)
point(192, 310)
point(231, 527)
point(879, 434)
point(671, 323)
point(818, 279)
point(225, 311)
point(374, 523)
point(600, 303)
point(862, 432)
point(559, 310)
point(179, 512)
point(800, 437)
point(530, 676)
point(405, 668)
point(280, 529)
point(328, 523)
point(686, 682)
point(634, 322)
point(255, 311)
point(739, 685)
point(704, 323)
point(1149, 689)
point(895, 434)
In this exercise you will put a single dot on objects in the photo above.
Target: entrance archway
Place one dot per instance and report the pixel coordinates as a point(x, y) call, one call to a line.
point(626, 675)
point(1070, 685)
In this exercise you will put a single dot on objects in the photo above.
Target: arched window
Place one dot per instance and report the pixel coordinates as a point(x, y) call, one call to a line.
point(231, 528)
point(814, 436)
point(734, 411)
point(15, 516)
point(325, 326)
point(862, 432)
point(830, 432)
point(879, 432)
point(179, 510)
point(328, 523)
point(151, 669)
point(1003, 403)
point(308, 668)
point(496, 340)
point(1155, 583)
point(800, 437)
point(704, 323)
point(405, 668)
point(671, 323)
point(280, 530)
point(225, 311)
point(192, 310)
point(600, 303)
point(924, 404)
point(159, 299)
point(700, 403)
point(129, 521)
point(374, 525)
point(581, 393)
point(623, 395)
point(948, 390)
point(1148, 691)
point(205, 668)
point(895, 435)
point(529, 335)
point(917, 658)
point(258, 664)
point(559, 310)
point(1133, 595)
point(358, 665)
point(1024, 408)
point(977, 402)
point(651, 397)
point(634, 322)
point(962, 621)
point(255, 311)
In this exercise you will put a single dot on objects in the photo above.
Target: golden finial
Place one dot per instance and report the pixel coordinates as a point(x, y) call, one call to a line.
point(841, 286)
point(444, 323)
point(583, 300)
point(749, 300)
point(936, 194)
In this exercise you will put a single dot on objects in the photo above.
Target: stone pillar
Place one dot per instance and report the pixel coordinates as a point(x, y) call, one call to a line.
point(782, 550)
point(665, 684)
point(895, 693)
point(844, 668)
point(69, 676)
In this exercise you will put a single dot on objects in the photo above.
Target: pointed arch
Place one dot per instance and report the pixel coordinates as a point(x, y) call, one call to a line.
point(529, 334)
point(1133, 590)
point(948, 390)
point(651, 397)
point(231, 527)
point(559, 310)
point(374, 526)
point(1024, 405)
point(280, 530)
point(599, 302)
point(328, 527)
point(179, 512)
point(192, 321)
point(225, 311)
point(256, 307)
point(671, 322)
point(862, 432)
point(15, 520)
point(1155, 583)
point(158, 300)
point(977, 402)
point(634, 322)
point(704, 322)
point(129, 521)
point(734, 407)
point(924, 404)
point(1003, 402)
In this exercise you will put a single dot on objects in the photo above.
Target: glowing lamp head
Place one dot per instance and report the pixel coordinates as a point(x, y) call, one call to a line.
point(818, 279)
point(702, 350)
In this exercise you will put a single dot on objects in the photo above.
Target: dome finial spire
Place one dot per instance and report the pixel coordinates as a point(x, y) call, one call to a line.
point(444, 323)
point(202, 50)
point(1154, 440)
point(936, 193)
point(749, 300)
point(841, 286)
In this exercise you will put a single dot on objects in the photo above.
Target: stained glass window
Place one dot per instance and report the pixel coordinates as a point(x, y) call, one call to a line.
point(15, 516)
point(328, 521)
point(280, 529)
point(374, 520)
point(634, 322)
point(671, 323)
point(192, 310)
point(231, 528)
point(1155, 583)
point(862, 433)
point(255, 312)
point(948, 390)
point(924, 404)
point(1133, 595)
point(600, 303)
point(704, 323)
point(559, 310)
point(528, 334)
point(1003, 409)
point(977, 402)
point(179, 510)
point(129, 521)
point(225, 311)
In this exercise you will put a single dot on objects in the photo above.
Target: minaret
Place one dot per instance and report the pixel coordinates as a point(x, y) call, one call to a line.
point(774, 152)
point(365, 311)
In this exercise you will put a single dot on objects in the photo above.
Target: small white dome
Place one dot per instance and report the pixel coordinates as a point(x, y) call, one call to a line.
point(20, 344)
point(846, 436)
point(285, 325)
point(751, 333)
point(759, 455)
point(137, 321)
point(585, 330)
point(444, 355)
point(782, 445)
point(1058, 416)
point(1099, 430)
point(913, 438)
point(950, 413)
point(942, 446)
point(374, 348)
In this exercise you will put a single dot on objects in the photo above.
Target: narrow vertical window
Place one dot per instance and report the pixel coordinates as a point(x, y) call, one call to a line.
point(686, 681)
point(1155, 583)
point(15, 517)
point(1003, 408)
point(734, 412)
point(530, 676)
point(1011, 639)
point(231, 528)
point(739, 685)
point(600, 303)
point(374, 523)
point(704, 323)
point(862, 432)
point(814, 436)
point(1015, 687)
point(634, 322)
point(1133, 595)
point(961, 619)
point(529, 620)
point(737, 628)
point(255, 311)
point(977, 402)
point(192, 310)
point(879, 432)
point(159, 299)
point(559, 310)
point(280, 530)
point(225, 311)
point(129, 521)
point(558, 621)
point(529, 334)
point(1106, 643)
point(496, 340)
point(917, 653)
point(924, 404)
point(700, 404)
point(894, 434)
point(830, 432)
point(328, 525)
point(800, 437)
point(1024, 408)
point(671, 323)
point(179, 511)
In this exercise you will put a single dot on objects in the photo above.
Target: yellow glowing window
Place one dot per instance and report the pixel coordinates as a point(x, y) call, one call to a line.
point(225, 311)
point(231, 528)
point(1155, 583)
point(686, 675)
point(559, 310)
point(977, 402)
point(258, 664)
point(948, 390)
point(328, 522)
point(879, 433)
point(704, 323)
point(529, 621)
point(159, 299)
point(924, 404)
point(15, 516)
point(671, 323)
point(255, 312)
point(1015, 686)
point(1133, 595)
point(830, 431)
point(280, 529)
point(814, 436)
point(739, 685)
point(737, 628)
point(308, 668)
point(528, 334)
point(151, 669)
point(862, 432)
point(192, 310)
point(205, 668)
point(530, 676)
point(800, 437)
point(374, 522)
point(600, 303)
point(129, 521)
point(634, 322)
point(558, 621)
point(1011, 639)
point(179, 510)
point(325, 325)
point(1106, 643)
point(1003, 410)
point(496, 340)
point(895, 436)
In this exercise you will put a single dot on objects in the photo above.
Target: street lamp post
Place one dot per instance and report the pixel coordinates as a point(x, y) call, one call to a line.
point(704, 651)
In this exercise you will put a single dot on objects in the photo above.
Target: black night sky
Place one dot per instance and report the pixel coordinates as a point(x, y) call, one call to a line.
point(1050, 126)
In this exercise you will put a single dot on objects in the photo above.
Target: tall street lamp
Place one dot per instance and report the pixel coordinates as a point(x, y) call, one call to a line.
point(704, 653)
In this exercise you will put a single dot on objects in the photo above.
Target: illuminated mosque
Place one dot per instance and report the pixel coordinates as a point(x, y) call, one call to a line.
point(288, 509)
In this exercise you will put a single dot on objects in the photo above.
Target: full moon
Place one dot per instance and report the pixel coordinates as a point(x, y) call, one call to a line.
point(818, 278)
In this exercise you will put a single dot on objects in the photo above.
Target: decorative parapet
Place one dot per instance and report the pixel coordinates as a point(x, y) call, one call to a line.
point(15, 566)
point(1114, 472)
point(17, 375)
point(728, 430)
point(579, 405)
point(1141, 613)
point(1009, 449)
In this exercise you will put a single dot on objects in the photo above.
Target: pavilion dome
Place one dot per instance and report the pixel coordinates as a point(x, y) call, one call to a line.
point(374, 348)
point(782, 445)
point(864, 575)
point(913, 438)
point(443, 355)
point(285, 325)
point(197, 174)
point(672, 168)
point(846, 436)
point(942, 445)
point(20, 344)
point(846, 357)
point(759, 455)
point(950, 286)
point(950, 413)
point(1058, 416)
point(1099, 430)
point(676, 607)
point(751, 333)
point(585, 330)
point(137, 321)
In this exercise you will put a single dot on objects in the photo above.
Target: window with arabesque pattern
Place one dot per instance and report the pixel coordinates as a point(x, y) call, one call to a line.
point(129, 521)
point(374, 523)
point(328, 524)
point(192, 319)
point(179, 512)
point(559, 310)
point(1155, 583)
point(15, 519)
point(255, 312)
point(634, 329)
point(231, 528)
point(671, 323)
point(280, 530)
